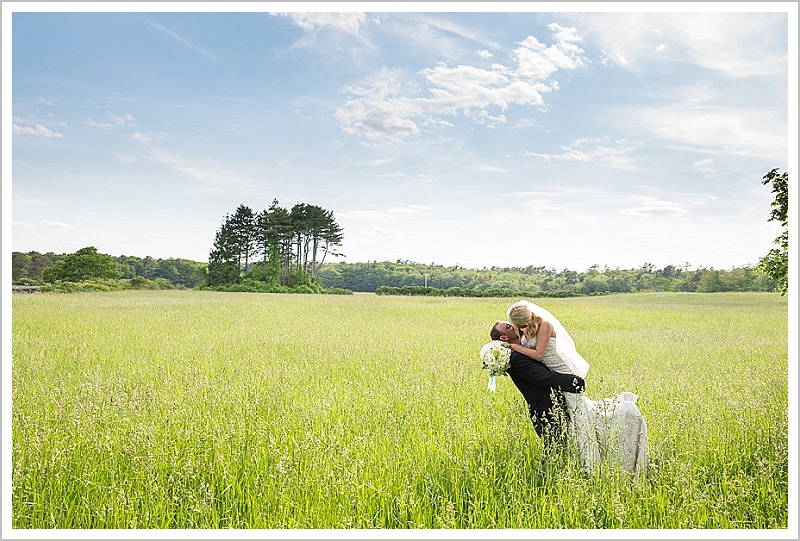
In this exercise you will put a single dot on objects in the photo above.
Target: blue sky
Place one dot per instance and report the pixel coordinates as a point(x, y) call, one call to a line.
point(561, 139)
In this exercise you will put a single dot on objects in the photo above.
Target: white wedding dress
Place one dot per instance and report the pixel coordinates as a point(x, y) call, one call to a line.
point(611, 430)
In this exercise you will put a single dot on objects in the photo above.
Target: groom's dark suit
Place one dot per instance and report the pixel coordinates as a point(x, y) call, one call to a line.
point(539, 386)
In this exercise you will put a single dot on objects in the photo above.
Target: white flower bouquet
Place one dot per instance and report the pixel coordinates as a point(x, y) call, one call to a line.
point(496, 357)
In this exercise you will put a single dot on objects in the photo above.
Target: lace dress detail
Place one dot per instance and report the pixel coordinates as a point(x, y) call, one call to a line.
point(611, 430)
point(555, 360)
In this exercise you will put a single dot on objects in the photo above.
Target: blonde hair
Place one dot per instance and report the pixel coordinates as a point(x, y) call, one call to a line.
point(521, 316)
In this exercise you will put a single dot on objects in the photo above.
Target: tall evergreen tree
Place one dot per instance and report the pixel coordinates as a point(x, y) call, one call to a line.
point(272, 228)
point(244, 227)
point(300, 216)
point(292, 244)
point(326, 235)
point(223, 259)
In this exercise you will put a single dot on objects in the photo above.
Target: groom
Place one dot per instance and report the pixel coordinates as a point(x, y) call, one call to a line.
point(540, 387)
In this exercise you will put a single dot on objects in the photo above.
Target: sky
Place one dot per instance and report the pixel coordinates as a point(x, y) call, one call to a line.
point(544, 135)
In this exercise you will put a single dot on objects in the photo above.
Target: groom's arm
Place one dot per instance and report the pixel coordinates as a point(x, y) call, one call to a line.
point(539, 375)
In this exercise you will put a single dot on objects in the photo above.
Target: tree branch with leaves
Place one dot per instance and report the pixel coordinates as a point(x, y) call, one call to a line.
point(776, 263)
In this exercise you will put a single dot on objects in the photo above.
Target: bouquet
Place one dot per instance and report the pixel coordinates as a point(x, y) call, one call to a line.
point(496, 356)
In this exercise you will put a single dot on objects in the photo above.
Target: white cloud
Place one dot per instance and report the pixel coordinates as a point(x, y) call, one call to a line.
point(101, 125)
point(57, 225)
point(367, 215)
point(734, 44)
point(205, 170)
point(381, 233)
point(654, 208)
point(391, 214)
point(409, 209)
point(720, 130)
point(116, 121)
point(677, 204)
point(148, 138)
point(486, 168)
point(312, 22)
point(37, 130)
point(613, 154)
point(382, 109)
point(121, 120)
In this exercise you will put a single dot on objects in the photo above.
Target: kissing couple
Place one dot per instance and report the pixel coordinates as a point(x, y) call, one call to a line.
point(547, 369)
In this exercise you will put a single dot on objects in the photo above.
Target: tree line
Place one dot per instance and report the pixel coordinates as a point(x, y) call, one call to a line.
point(400, 277)
point(280, 250)
point(35, 269)
point(418, 278)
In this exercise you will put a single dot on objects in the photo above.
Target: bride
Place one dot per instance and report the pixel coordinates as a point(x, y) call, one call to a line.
point(611, 429)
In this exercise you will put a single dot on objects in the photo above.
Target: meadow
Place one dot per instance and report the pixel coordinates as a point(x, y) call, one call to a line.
point(191, 409)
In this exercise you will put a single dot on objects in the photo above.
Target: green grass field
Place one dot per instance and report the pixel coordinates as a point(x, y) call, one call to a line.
point(188, 409)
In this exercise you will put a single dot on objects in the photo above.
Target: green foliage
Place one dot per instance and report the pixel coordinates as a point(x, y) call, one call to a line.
point(299, 278)
point(410, 278)
point(223, 260)
point(27, 268)
point(337, 291)
point(272, 268)
point(140, 283)
point(85, 264)
point(463, 292)
point(776, 263)
point(65, 286)
point(287, 242)
point(135, 272)
point(300, 281)
point(249, 285)
point(389, 278)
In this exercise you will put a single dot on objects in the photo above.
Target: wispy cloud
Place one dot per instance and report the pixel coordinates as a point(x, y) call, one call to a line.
point(439, 32)
point(720, 130)
point(116, 121)
point(653, 208)
point(382, 110)
point(183, 40)
point(32, 202)
point(43, 223)
point(391, 214)
point(332, 33)
point(37, 130)
point(368, 216)
point(613, 154)
point(148, 138)
point(311, 22)
point(206, 170)
point(380, 233)
point(487, 168)
point(733, 44)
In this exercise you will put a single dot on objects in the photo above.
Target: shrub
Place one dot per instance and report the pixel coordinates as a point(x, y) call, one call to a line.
point(60, 286)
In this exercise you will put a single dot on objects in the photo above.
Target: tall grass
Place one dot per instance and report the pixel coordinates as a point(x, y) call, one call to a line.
point(188, 409)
